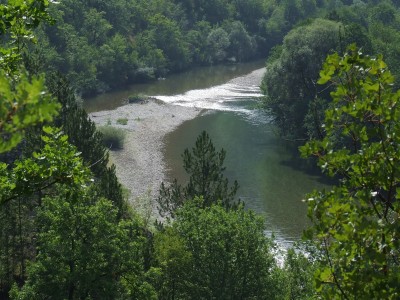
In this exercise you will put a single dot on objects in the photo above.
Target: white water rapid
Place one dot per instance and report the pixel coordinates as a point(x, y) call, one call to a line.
point(224, 97)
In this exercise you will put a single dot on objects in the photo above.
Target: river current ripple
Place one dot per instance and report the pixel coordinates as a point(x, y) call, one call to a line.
point(235, 95)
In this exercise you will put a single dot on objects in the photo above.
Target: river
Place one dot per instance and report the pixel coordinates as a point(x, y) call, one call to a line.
point(195, 79)
point(273, 180)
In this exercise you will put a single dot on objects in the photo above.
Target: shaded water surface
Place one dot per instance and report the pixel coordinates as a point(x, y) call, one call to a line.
point(272, 178)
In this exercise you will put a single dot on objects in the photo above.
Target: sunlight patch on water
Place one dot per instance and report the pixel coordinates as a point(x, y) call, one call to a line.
point(225, 97)
point(221, 97)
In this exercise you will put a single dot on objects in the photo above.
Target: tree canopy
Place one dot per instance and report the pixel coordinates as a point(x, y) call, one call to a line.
point(355, 224)
point(290, 81)
point(292, 96)
point(101, 46)
point(65, 229)
point(214, 253)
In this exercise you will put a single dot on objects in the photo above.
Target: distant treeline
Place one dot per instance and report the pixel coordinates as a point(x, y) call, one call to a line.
point(102, 45)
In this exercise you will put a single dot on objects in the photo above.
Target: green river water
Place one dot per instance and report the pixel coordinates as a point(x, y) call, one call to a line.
point(273, 180)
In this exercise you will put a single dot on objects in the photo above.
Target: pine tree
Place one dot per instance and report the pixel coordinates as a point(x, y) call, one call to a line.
point(82, 133)
point(206, 168)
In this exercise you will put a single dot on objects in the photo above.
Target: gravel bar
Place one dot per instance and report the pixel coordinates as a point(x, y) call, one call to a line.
point(140, 164)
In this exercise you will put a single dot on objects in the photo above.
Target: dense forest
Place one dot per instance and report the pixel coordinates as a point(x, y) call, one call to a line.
point(102, 45)
point(293, 97)
point(66, 229)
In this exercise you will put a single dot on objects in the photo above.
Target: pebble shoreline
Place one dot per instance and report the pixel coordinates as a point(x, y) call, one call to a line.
point(140, 165)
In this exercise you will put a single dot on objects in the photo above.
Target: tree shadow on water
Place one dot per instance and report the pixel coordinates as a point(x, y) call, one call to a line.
point(305, 165)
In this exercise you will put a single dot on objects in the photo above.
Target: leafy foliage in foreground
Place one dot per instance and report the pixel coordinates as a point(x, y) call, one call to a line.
point(18, 19)
point(212, 253)
point(24, 101)
point(356, 224)
point(57, 162)
point(84, 251)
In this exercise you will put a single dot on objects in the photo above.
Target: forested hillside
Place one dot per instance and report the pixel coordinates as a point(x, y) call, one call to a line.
point(66, 229)
point(102, 45)
point(293, 97)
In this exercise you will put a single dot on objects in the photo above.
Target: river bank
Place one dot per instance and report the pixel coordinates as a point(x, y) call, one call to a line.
point(140, 165)
point(273, 179)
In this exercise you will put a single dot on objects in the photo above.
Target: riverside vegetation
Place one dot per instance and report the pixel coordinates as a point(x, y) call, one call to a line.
point(66, 231)
point(101, 45)
point(293, 97)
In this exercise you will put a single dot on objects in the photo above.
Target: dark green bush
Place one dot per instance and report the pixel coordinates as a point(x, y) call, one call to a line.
point(113, 138)
point(122, 121)
point(137, 98)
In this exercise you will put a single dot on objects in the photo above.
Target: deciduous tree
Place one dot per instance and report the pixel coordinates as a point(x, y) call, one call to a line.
point(83, 251)
point(356, 223)
point(290, 81)
point(224, 255)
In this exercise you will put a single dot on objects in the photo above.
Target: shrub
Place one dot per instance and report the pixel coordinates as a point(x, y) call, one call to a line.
point(214, 253)
point(122, 121)
point(137, 98)
point(113, 138)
